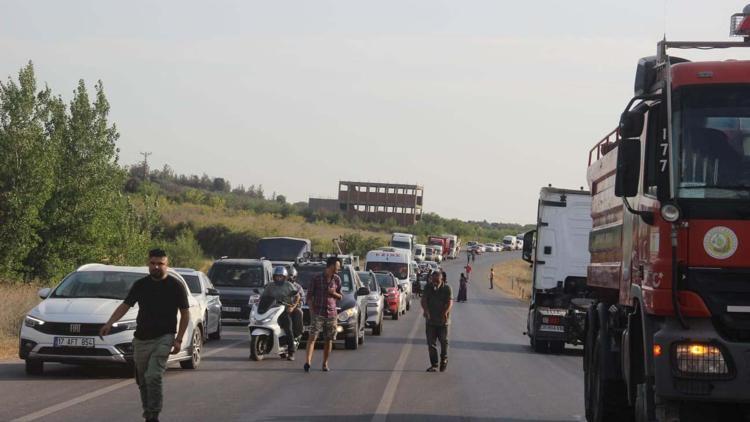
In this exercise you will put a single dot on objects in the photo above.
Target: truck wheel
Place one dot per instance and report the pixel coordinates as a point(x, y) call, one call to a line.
point(606, 399)
point(642, 412)
point(556, 347)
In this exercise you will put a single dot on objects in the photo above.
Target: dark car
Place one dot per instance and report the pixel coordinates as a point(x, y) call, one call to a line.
point(288, 249)
point(237, 280)
point(352, 308)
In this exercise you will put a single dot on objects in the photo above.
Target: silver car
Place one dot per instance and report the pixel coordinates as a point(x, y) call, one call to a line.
point(375, 302)
point(207, 296)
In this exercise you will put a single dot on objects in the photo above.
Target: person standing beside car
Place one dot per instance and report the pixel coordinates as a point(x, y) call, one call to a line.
point(324, 291)
point(159, 297)
point(437, 300)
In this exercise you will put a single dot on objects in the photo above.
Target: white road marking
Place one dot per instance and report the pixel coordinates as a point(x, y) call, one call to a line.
point(381, 413)
point(97, 393)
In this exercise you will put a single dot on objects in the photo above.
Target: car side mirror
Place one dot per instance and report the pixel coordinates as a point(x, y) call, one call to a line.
point(363, 291)
point(212, 291)
point(44, 293)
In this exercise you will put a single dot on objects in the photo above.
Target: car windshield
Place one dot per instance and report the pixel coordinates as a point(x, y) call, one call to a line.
point(97, 284)
point(713, 131)
point(193, 282)
point(237, 275)
point(367, 280)
point(385, 280)
point(399, 269)
point(282, 249)
point(306, 275)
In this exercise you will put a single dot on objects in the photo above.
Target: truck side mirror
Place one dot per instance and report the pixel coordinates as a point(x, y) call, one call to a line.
point(631, 123)
point(628, 167)
point(528, 241)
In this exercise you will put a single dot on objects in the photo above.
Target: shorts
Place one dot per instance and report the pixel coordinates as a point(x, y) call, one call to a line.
point(324, 328)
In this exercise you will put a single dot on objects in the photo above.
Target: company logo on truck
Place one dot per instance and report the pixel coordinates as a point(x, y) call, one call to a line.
point(720, 242)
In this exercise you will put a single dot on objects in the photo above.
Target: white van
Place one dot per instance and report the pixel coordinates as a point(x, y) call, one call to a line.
point(403, 241)
point(397, 261)
point(420, 252)
point(510, 243)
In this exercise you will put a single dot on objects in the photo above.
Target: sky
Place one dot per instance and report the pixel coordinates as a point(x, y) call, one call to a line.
point(481, 102)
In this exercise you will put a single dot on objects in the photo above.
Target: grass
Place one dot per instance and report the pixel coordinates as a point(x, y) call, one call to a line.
point(514, 277)
point(17, 300)
point(262, 224)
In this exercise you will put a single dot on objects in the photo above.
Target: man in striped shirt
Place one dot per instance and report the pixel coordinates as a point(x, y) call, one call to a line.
point(324, 292)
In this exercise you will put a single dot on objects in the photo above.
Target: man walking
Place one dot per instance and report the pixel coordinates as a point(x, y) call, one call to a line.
point(159, 296)
point(437, 301)
point(468, 271)
point(492, 277)
point(322, 295)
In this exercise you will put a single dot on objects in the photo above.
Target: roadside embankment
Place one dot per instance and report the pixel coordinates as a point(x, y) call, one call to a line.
point(17, 300)
point(514, 277)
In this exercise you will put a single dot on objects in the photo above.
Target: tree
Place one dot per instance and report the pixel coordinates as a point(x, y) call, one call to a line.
point(281, 199)
point(27, 159)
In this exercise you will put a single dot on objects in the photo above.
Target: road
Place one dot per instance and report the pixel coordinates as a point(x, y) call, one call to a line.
point(492, 375)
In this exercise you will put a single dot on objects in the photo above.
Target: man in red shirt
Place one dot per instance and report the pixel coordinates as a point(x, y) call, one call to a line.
point(468, 271)
point(322, 295)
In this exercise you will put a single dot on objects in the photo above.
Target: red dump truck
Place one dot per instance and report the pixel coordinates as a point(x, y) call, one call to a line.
point(668, 335)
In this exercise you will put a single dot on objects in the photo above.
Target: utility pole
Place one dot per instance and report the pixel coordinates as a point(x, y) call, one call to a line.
point(145, 164)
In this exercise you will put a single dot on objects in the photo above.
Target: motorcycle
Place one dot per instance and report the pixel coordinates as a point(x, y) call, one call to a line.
point(266, 335)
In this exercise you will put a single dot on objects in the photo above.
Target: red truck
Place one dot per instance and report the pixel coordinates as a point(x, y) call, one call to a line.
point(668, 335)
point(442, 242)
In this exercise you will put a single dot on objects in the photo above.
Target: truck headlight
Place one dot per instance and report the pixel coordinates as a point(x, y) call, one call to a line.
point(32, 322)
point(700, 359)
point(670, 212)
point(347, 314)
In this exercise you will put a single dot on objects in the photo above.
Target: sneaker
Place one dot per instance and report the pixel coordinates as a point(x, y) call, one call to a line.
point(432, 369)
point(290, 357)
point(443, 365)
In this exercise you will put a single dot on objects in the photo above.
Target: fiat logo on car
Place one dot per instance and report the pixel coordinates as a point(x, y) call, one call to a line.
point(75, 328)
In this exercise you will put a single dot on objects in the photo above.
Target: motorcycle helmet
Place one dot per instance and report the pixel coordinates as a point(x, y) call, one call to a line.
point(280, 271)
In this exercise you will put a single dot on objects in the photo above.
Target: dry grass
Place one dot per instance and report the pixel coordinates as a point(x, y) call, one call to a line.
point(262, 224)
point(514, 277)
point(17, 300)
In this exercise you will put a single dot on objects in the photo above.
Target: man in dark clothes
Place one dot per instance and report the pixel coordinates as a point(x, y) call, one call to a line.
point(284, 292)
point(437, 300)
point(159, 296)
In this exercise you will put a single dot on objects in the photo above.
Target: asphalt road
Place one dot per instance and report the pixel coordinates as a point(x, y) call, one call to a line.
point(492, 375)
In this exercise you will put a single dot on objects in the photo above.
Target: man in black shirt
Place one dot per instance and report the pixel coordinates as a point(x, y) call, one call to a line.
point(159, 296)
point(437, 300)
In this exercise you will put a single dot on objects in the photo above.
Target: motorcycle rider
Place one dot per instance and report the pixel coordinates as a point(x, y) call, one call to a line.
point(296, 312)
point(284, 292)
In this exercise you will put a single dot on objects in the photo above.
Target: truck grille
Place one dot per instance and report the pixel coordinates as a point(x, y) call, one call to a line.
point(719, 289)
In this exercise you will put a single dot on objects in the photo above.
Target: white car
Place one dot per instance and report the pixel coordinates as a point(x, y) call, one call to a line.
point(64, 326)
point(208, 299)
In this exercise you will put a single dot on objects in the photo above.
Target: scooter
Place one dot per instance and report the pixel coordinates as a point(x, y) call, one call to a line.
point(266, 335)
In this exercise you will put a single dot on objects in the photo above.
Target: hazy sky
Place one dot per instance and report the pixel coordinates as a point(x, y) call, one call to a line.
point(482, 102)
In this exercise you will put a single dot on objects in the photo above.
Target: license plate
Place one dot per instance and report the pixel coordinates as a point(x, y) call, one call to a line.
point(74, 342)
point(231, 309)
point(555, 328)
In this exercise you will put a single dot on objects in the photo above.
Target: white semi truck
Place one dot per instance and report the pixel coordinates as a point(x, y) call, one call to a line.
point(558, 251)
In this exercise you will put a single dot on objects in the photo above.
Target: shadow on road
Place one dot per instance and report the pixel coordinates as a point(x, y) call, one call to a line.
point(404, 417)
point(491, 302)
point(54, 371)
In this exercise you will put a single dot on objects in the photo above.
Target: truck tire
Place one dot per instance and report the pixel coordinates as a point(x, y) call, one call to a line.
point(606, 400)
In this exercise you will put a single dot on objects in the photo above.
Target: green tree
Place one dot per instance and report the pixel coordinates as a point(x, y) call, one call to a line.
point(26, 168)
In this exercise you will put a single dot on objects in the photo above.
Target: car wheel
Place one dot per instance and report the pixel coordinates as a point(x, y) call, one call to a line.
point(408, 304)
point(352, 343)
point(196, 346)
point(258, 347)
point(396, 314)
point(34, 367)
point(205, 324)
point(378, 329)
point(361, 339)
point(216, 335)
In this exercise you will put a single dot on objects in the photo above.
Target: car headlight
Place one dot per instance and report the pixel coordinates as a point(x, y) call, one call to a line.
point(32, 322)
point(347, 314)
point(125, 325)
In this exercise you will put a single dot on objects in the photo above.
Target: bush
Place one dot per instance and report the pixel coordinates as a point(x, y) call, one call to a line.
point(185, 251)
point(219, 240)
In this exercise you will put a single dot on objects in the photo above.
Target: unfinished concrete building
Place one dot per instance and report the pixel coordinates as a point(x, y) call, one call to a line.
point(379, 202)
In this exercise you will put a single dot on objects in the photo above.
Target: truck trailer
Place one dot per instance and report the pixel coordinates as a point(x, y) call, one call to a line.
point(558, 252)
point(667, 337)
